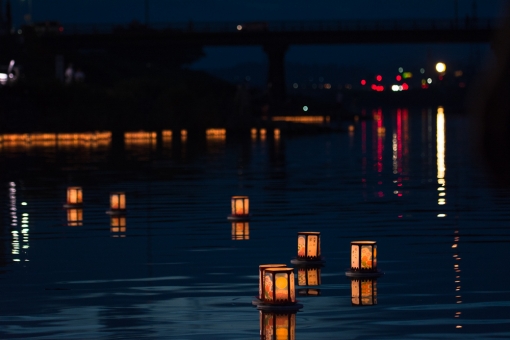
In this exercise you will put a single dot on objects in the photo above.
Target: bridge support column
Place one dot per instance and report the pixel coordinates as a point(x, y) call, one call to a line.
point(276, 72)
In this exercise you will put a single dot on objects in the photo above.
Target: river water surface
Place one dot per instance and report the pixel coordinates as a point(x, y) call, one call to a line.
point(176, 268)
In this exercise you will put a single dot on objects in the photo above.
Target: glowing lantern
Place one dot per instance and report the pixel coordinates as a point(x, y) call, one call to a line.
point(118, 225)
point(279, 286)
point(309, 276)
point(364, 292)
point(308, 248)
point(277, 326)
point(262, 268)
point(74, 197)
point(74, 217)
point(440, 67)
point(117, 203)
point(240, 230)
point(364, 259)
point(240, 208)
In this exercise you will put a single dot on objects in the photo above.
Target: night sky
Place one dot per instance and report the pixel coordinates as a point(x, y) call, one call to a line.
point(238, 11)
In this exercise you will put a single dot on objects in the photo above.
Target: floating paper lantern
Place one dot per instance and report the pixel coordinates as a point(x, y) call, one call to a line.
point(364, 292)
point(262, 268)
point(74, 217)
point(240, 230)
point(364, 259)
point(277, 326)
point(309, 276)
point(308, 248)
point(279, 286)
point(117, 203)
point(74, 197)
point(240, 208)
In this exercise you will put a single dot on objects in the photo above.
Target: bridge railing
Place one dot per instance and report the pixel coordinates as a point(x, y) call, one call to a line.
point(467, 23)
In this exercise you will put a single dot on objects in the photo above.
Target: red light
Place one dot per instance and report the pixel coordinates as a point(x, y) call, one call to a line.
point(380, 88)
point(363, 82)
point(374, 87)
point(399, 77)
point(424, 86)
point(61, 29)
point(440, 77)
point(378, 77)
point(405, 87)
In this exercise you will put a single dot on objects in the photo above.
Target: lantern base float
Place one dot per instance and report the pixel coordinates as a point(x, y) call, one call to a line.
point(290, 307)
point(116, 212)
point(238, 217)
point(308, 263)
point(352, 273)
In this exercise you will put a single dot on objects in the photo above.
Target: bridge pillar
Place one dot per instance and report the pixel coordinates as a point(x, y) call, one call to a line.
point(276, 72)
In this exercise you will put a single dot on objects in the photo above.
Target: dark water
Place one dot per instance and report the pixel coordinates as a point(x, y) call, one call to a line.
point(404, 179)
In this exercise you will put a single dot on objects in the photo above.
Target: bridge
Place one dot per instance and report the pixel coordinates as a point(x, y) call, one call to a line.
point(274, 37)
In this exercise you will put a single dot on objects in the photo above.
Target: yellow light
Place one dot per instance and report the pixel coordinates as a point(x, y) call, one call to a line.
point(74, 196)
point(240, 231)
point(117, 201)
point(240, 205)
point(262, 268)
point(440, 67)
point(364, 256)
point(279, 286)
point(74, 217)
point(308, 247)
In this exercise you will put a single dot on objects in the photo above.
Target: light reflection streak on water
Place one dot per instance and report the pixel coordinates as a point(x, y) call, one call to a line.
point(19, 232)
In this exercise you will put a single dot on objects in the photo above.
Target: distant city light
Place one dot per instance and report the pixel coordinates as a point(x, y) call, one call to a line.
point(407, 75)
point(440, 67)
point(422, 70)
point(295, 85)
point(405, 87)
point(400, 69)
point(394, 88)
point(398, 77)
point(459, 73)
point(429, 80)
point(305, 108)
point(327, 86)
point(363, 82)
point(378, 77)
point(239, 27)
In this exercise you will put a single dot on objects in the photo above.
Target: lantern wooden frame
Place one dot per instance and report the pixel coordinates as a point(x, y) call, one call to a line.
point(240, 208)
point(240, 230)
point(277, 325)
point(364, 292)
point(364, 259)
point(262, 268)
point(308, 248)
point(117, 203)
point(279, 291)
point(74, 197)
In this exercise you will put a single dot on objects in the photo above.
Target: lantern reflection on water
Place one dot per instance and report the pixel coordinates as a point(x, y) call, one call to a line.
point(240, 208)
point(364, 292)
point(117, 203)
point(240, 230)
point(308, 248)
point(364, 259)
point(74, 197)
point(309, 292)
point(118, 225)
point(74, 217)
point(309, 276)
point(277, 326)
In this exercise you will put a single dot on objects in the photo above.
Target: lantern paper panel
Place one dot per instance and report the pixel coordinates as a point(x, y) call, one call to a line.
point(309, 276)
point(240, 231)
point(240, 205)
point(279, 286)
point(364, 292)
point(118, 201)
point(364, 256)
point(74, 195)
point(277, 326)
point(74, 217)
point(309, 245)
point(262, 268)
